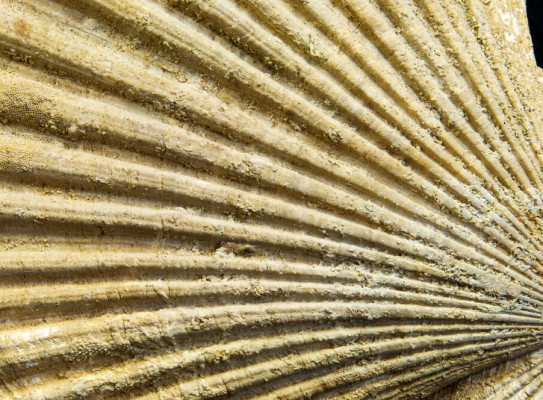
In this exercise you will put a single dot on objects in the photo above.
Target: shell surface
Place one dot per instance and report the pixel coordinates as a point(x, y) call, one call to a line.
point(520, 378)
point(211, 199)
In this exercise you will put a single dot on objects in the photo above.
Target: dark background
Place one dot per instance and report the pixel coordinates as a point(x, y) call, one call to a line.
point(535, 19)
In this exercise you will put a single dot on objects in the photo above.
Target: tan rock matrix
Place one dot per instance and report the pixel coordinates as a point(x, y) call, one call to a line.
point(266, 199)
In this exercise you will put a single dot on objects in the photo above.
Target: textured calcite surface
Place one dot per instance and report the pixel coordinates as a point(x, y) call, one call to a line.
point(267, 199)
point(516, 379)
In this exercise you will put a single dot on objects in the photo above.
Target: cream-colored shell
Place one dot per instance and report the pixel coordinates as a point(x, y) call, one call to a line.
point(516, 379)
point(266, 199)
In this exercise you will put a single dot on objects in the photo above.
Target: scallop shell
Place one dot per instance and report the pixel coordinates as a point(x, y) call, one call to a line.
point(517, 379)
point(210, 199)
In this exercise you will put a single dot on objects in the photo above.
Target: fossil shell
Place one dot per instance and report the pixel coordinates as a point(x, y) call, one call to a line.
point(210, 199)
point(515, 380)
